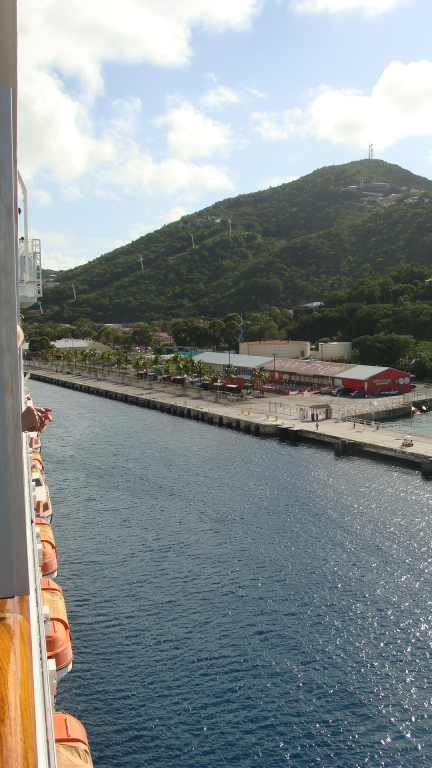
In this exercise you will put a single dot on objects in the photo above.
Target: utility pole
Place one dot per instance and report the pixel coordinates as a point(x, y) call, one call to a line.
point(74, 292)
point(229, 222)
point(141, 260)
point(193, 244)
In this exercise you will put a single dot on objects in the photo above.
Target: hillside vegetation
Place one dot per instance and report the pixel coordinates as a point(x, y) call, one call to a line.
point(291, 244)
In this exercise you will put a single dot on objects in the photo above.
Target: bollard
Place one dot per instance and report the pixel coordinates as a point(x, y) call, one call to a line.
point(249, 412)
point(267, 415)
point(276, 417)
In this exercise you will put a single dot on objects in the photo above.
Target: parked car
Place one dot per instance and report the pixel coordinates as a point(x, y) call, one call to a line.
point(413, 386)
point(342, 392)
point(328, 390)
point(359, 393)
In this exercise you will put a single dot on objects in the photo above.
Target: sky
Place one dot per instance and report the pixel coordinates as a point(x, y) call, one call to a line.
point(133, 113)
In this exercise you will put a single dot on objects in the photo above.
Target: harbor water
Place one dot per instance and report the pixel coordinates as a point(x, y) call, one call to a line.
point(236, 601)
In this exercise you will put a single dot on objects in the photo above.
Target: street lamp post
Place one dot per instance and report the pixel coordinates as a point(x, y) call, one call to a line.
point(274, 368)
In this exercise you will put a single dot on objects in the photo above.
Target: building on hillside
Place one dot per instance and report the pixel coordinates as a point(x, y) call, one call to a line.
point(163, 339)
point(332, 350)
point(313, 373)
point(65, 344)
point(245, 365)
point(279, 347)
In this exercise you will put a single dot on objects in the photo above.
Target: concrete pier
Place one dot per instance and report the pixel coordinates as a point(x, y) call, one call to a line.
point(343, 437)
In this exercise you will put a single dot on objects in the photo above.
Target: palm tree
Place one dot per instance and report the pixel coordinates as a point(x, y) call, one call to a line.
point(260, 374)
point(177, 359)
point(157, 362)
point(126, 359)
point(119, 359)
point(192, 367)
point(138, 364)
point(76, 354)
point(217, 379)
point(169, 367)
point(187, 364)
point(201, 370)
point(105, 359)
point(230, 370)
point(93, 356)
point(68, 356)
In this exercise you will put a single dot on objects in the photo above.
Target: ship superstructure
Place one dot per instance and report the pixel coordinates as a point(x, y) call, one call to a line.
point(35, 639)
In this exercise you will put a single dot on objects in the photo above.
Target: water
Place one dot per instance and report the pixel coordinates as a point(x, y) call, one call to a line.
point(421, 424)
point(236, 601)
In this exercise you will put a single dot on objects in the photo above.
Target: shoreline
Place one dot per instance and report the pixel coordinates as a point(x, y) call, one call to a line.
point(346, 439)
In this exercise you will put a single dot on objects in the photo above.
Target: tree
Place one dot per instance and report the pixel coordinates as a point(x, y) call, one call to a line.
point(157, 362)
point(201, 370)
point(385, 349)
point(180, 333)
point(40, 344)
point(230, 370)
point(232, 324)
point(260, 374)
point(169, 367)
point(177, 359)
point(138, 364)
point(142, 335)
point(200, 335)
point(218, 330)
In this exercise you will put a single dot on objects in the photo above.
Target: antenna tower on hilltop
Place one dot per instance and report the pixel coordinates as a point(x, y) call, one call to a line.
point(370, 156)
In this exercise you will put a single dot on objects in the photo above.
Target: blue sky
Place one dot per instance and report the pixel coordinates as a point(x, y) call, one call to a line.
point(133, 112)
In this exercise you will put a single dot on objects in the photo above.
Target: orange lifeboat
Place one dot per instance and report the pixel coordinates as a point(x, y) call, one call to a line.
point(34, 441)
point(59, 647)
point(58, 639)
point(72, 747)
point(36, 462)
point(42, 503)
point(49, 566)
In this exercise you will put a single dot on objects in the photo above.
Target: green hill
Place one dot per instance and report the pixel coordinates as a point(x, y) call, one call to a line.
point(290, 244)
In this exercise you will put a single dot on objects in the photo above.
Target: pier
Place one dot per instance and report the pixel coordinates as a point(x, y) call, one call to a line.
point(350, 436)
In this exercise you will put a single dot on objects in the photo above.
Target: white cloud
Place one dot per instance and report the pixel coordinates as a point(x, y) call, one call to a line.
point(368, 7)
point(399, 107)
point(192, 134)
point(169, 176)
point(273, 126)
point(76, 36)
point(276, 181)
point(62, 250)
point(258, 94)
point(175, 213)
point(69, 41)
point(218, 96)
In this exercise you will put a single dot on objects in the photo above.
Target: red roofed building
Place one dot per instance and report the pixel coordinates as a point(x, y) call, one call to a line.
point(314, 373)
